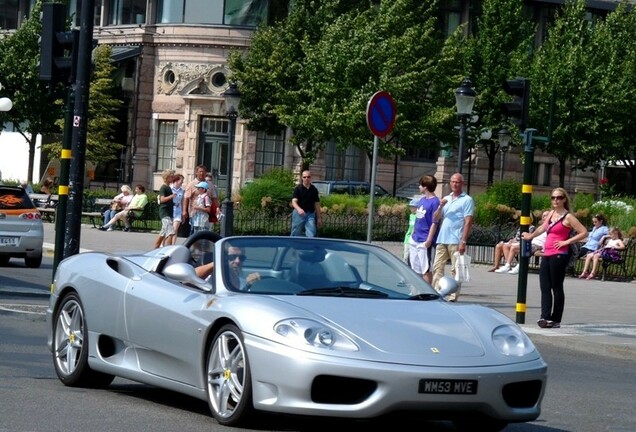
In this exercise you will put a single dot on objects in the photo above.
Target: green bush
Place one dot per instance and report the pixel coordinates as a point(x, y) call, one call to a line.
point(271, 192)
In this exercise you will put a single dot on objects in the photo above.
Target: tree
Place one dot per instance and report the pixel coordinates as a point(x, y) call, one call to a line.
point(34, 111)
point(315, 72)
point(502, 28)
point(562, 78)
point(103, 106)
point(612, 73)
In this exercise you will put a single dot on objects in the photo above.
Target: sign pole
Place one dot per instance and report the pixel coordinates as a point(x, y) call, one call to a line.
point(374, 164)
point(381, 115)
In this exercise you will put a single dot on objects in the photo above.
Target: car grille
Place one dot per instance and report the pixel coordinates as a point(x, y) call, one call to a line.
point(523, 394)
point(330, 389)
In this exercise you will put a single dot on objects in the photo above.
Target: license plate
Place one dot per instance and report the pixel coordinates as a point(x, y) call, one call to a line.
point(447, 386)
point(9, 241)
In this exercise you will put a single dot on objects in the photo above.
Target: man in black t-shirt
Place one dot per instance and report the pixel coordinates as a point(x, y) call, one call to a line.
point(306, 204)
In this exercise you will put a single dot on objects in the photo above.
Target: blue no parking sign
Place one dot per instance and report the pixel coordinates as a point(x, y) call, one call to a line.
point(381, 114)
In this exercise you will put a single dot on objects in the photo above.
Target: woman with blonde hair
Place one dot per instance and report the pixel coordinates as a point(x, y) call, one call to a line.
point(556, 255)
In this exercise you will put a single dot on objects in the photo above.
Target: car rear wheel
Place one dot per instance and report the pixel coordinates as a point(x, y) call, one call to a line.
point(70, 346)
point(228, 377)
point(33, 262)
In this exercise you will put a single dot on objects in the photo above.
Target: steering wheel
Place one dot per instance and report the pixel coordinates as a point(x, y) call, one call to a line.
point(201, 245)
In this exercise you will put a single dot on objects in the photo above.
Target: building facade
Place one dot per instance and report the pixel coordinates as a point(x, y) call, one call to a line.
point(171, 58)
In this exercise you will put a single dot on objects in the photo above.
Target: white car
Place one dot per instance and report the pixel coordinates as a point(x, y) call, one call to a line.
point(21, 230)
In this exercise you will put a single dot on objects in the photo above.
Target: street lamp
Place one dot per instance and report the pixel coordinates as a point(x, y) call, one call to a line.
point(232, 98)
point(504, 146)
point(5, 103)
point(464, 100)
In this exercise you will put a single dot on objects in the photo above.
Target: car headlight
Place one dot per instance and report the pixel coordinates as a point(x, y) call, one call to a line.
point(304, 332)
point(512, 341)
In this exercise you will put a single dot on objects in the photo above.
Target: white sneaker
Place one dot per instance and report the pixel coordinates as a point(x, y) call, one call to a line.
point(504, 269)
point(110, 228)
point(515, 270)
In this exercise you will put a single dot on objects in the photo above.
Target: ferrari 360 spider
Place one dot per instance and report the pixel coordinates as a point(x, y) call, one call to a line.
point(294, 325)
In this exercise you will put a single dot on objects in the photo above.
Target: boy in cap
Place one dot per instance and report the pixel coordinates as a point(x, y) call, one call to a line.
point(200, 220)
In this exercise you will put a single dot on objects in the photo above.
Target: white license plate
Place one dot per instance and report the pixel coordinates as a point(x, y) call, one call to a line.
point(449, 386)
point(9, 241)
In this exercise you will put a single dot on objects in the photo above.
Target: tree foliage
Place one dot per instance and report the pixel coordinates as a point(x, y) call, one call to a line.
point(103, 106)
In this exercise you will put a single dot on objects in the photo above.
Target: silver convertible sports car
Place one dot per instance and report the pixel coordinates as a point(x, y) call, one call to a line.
point(294, 325)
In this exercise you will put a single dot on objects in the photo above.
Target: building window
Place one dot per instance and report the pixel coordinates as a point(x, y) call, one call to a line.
point(167, 145)
point(420, 154)
point(229, 12)
point(126, 12)
point(450, 16)
point(343, 165)
point(9, 15)
point(542, 174)
point(270, 151)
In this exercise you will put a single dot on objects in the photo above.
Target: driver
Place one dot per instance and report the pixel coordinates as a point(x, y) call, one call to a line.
point(235, 257)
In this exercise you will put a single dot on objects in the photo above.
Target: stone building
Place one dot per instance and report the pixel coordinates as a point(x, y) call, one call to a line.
point(171, 57)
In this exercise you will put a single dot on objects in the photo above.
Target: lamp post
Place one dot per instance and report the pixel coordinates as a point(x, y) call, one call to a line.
point(232, 98)
point(5, 103)
point(504, 146)
point(464, 100)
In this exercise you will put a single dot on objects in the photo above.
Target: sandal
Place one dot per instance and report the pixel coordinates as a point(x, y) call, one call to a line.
point(584, 275)
point(590, 276)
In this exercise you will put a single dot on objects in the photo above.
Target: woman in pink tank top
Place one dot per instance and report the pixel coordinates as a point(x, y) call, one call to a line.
point(556, 255)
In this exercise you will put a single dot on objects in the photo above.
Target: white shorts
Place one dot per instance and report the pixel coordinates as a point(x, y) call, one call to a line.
point(167, 229)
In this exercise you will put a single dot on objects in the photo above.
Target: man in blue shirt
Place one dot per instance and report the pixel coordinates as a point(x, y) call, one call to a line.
point(455, 220)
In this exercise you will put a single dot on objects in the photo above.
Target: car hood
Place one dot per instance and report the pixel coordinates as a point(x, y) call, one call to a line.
point(410, 331)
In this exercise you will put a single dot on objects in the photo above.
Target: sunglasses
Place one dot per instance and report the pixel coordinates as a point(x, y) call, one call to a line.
point(557, 197)
point(306, 176)
point(232, 257)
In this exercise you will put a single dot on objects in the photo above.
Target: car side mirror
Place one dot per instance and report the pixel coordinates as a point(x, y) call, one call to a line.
point(447, 286)
point(184, 273)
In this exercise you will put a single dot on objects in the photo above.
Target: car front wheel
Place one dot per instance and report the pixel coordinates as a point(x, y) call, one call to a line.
point(70, 346)
point(228, 378)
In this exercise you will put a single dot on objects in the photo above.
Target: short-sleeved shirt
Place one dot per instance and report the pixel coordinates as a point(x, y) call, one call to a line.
point(424, 219)
point(166, 207)
point(453, 215)
point(138, 201)
point(595, 236)
point(307, 197)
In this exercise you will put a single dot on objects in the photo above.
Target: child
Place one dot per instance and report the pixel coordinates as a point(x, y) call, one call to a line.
point(606, 251)
point(409, 232)
point(201, 218)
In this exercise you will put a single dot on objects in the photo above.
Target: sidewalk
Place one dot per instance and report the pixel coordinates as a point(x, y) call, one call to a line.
point(599, 317)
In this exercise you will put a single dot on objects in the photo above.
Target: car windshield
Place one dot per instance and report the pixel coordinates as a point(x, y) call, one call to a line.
point(318, 267)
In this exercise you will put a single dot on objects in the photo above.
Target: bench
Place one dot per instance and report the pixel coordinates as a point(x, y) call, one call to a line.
point(46, 204)
point(96, 217)
point(621, 264)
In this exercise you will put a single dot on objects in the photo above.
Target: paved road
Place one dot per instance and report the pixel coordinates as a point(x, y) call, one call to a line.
point(600, 317)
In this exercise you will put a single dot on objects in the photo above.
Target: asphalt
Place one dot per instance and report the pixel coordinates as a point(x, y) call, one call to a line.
point(599, 318)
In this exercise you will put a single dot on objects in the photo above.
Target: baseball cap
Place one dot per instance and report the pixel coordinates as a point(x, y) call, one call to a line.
point(414, 202)
point(203, 185)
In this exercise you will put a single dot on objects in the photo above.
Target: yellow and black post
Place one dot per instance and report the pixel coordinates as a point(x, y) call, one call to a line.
point(525, 222)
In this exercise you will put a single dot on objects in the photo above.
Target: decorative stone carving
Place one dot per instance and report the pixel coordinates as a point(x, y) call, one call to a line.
point(191, 78)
